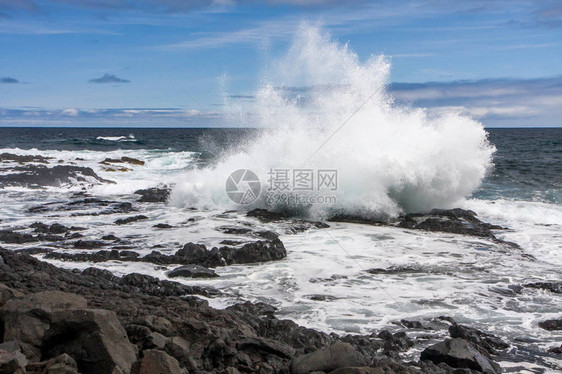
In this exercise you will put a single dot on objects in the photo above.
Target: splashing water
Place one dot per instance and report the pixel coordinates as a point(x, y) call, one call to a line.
point(389, 158)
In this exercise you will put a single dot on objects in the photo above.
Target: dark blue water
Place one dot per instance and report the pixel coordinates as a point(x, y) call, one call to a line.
point(528, 162)
point(528, 165)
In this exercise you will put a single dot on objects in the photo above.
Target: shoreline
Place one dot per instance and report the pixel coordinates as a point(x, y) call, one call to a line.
point(161, 325)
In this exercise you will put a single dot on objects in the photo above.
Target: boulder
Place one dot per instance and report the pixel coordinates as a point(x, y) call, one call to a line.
point(398, 342)
point(153, 195)
point(31, 353)
point(63, 364)
point(193, 251)
point(132, 161)
point(124, 221)
point(265, 215)
point(156, 362)
point(94, 337)
point(551, 324)
point(487, 341)
point(27, 319)
point(258, 251)
point(557, 350)
point(6, 294)
point(555, 287)
point(459, 353)
point(24, 158)
point(180, 349)
point(336, 356)
point(456, 221)
point(13, 237)
point(89, 244)
point(12, 362)
point(192, 271)
point(33, 176)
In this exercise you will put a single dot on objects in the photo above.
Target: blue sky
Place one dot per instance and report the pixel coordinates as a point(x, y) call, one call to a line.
point(92, 63)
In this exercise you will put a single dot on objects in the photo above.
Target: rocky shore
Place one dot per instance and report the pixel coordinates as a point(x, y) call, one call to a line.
point(55, 320)
point(60, 321)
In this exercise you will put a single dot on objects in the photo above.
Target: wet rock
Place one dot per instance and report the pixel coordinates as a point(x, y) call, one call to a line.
point(111, 161)
point(124, 221)
point(56, 176)
point(26, 319)
point(397, 342)
point(456, 221)
point(63, 364)
point(487, 341)
point(232, 242)
point(16, 237)
point(123, 208)
point(99, 256)
point(24, 158)
point(156, 362)
point(259, 251)
point(192, 271)
point(110, 237)
point(303, 225)
point(459, 353)
point(136, 282)
point(265, 215)
point(233, 230)
point(557, 350)
point(193, 251)
point(555, 287)
point(366, 220)
point(336, 356)
point(132, 161)
point(162, 226)
point(55, 228)
point(89, 244)
point(411, 324)
point(93, 337)
point(153, 195)
point(317, 297)
point(397, 270)
point(551, 324)
point(266, 234)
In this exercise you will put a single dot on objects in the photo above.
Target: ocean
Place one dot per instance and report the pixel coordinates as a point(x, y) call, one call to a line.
point(472, 279)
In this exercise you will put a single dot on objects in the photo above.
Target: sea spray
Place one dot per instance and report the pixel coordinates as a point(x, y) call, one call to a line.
point(389, 158)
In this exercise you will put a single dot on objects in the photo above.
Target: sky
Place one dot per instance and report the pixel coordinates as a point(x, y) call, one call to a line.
point(173, 63)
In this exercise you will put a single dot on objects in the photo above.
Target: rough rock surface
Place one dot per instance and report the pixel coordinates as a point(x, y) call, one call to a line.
point(157, 362)
point(457, 221)
point(555, 287)
point(153, 195)
point(93, 337)
point(337, 355)
point(192, 271)
point(164, 317)
point(40, 176)
point(459, 353)
point(551, 324)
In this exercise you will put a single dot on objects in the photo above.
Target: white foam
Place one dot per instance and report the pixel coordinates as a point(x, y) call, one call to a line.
point(389, 158)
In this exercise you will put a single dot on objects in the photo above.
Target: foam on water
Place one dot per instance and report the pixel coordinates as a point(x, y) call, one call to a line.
point(389, 158)
point(160, 167)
